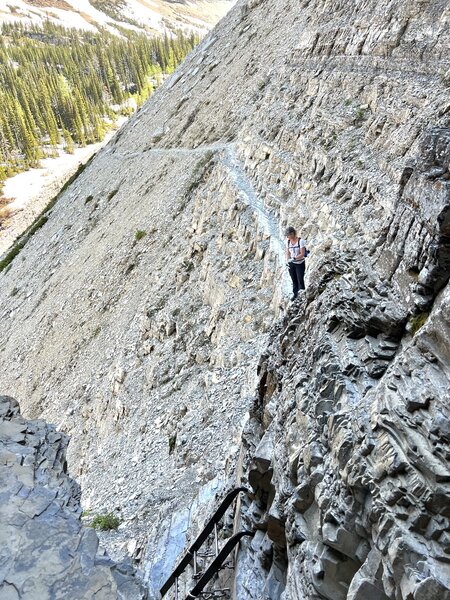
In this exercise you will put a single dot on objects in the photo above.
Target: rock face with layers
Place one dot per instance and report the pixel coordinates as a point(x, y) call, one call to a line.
point(351, 467)
point(44, 551)
point(348, 444)
point(145, 301)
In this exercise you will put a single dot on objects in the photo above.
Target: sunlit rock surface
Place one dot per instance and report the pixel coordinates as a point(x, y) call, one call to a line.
point(44, 550)
point(140, 318)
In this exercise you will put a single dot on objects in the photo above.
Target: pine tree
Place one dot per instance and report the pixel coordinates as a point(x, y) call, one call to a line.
point(62, 83)
point(68, 141)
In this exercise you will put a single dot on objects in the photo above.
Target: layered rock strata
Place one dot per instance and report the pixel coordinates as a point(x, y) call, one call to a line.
point(145, 301)
point(44, 550)
point(350, 465)
point(348, 444)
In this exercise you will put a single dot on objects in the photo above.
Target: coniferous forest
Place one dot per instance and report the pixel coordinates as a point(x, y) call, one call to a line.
point(64, 87)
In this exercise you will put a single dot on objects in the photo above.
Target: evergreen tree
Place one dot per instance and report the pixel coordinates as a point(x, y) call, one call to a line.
point(62, 84)
point(68, 141)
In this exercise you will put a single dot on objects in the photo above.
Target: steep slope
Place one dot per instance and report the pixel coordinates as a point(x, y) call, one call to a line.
point(136, 317)
point(155, 17)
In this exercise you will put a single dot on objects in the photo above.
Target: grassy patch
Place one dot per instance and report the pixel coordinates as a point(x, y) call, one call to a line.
point(112, 194)
point(39, 223)
point(78, 172)
point(105, 522)
point(198, 172)
point(418, 321)
point(89, 199)
point(172, 443)
point(360, 115)
point(140, 233)
point(10, 256)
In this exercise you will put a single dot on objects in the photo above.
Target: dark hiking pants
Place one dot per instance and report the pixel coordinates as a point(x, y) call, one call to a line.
point(297, 273)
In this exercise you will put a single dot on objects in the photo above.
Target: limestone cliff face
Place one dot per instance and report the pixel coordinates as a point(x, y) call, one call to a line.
point(44, 551)
point(137, 317)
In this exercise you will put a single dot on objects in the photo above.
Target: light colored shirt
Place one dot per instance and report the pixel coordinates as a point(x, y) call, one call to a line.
point(294, 249)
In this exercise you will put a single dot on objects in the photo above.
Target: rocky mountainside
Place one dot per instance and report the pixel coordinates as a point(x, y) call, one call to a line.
point(141, 15)
point(44, 551)
point(147, 316)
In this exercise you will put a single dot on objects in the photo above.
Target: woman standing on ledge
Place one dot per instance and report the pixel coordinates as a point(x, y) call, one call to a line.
point(295, 254)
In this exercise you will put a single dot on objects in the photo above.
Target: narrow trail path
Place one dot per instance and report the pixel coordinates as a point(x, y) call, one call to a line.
point(180, 150)
point(267, 220)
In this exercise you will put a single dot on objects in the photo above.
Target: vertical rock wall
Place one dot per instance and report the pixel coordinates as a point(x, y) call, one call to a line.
point(348, 444)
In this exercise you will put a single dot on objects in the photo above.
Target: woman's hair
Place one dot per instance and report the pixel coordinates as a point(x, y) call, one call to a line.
point(290, 231)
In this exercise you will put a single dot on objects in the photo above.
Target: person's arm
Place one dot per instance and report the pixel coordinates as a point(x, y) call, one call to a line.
point(288, 254)
point(301, 250)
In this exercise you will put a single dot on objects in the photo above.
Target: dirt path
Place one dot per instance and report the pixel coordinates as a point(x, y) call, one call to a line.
point(267, 219)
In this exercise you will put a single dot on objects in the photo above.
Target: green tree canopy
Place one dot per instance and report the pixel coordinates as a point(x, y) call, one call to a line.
point(64, 87)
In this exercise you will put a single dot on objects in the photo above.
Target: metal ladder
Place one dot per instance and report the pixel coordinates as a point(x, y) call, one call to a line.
point(220, 556)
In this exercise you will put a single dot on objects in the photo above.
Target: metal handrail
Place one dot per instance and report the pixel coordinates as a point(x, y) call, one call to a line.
point(217, 563)
point(210, 525)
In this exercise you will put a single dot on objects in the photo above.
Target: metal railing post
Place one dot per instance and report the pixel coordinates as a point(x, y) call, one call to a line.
point(192, 552)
